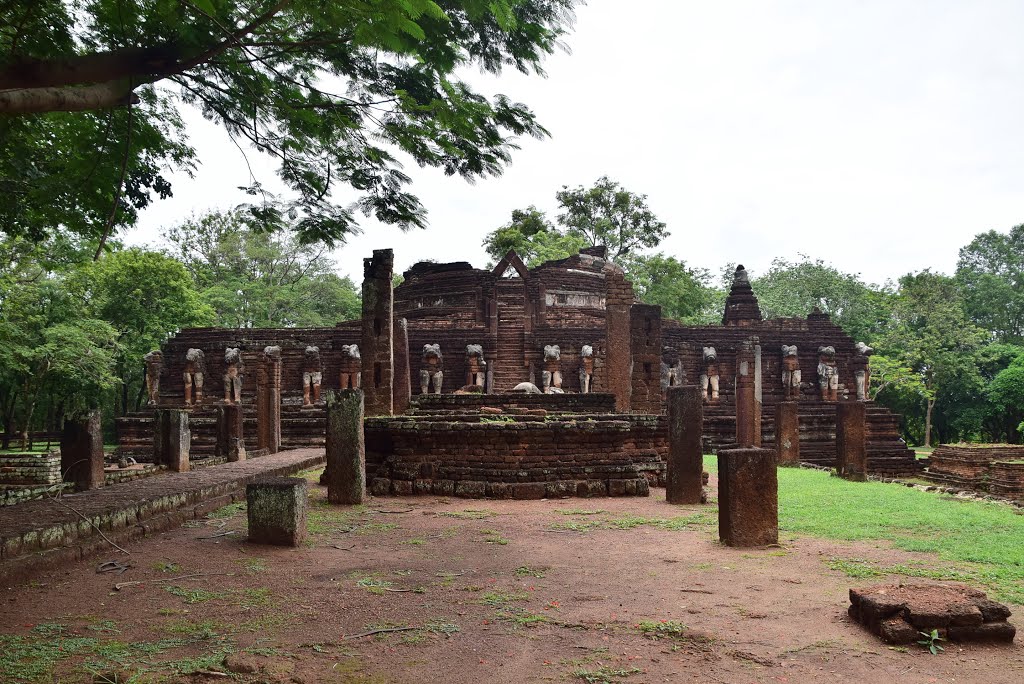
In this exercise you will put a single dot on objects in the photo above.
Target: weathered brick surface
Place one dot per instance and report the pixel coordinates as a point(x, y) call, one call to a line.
point(851, 453)
point(528, 458)
point(685, 461)
point(981, 467)
point(899, 613)
point(276, 510)
point(748, 497)
point(378, 327)
point(42, 534)
point(346, 455)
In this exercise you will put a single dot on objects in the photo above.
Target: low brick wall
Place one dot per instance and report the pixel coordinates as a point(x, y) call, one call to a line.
point(521, 458)
point(553, 403)
point(30, 468)
point(40, 535)
point(1006, 478)
point(971, 467)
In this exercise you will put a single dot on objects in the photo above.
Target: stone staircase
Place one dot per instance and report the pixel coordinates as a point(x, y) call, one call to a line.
point(509, 370)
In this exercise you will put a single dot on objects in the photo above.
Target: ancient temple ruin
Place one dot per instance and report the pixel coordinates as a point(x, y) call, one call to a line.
point(469, 342)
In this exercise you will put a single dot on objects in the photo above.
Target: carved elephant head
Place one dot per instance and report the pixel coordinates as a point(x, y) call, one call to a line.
point(552, 352)
point(272, 352)
point(154, 357)
point(232, 355)
point(350, 351)
point(586, 351)
point(474, 350)
point(828, 351)
point(312, 353)
point(789, 350)
point(710, 355)
point(864, 350)
point(195, 356)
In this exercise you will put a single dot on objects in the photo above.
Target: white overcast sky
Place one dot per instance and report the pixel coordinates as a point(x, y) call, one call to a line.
point(879, 135)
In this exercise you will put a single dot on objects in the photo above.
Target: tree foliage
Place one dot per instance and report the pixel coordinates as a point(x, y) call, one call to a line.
point(338, 94)
point(991, 274)
point(608, 214)
point(255, 279)
point(794, 288)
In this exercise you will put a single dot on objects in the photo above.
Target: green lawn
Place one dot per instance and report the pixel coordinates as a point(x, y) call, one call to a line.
point(977, 542)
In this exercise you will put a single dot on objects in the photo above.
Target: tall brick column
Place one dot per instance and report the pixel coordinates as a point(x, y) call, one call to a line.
point(787, 432)
point(851, 451)
point(403, 378)
point(685, 452)
point(172, 439)
point(618, 361)
point(377, 347)
point(748, 497)
point(758, 405)
point(268, 401)
point(230, 439)
point(746, 399)
point(81, 452)
point(346, 451)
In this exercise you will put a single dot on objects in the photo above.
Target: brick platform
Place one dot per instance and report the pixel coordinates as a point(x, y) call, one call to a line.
point(39, 535)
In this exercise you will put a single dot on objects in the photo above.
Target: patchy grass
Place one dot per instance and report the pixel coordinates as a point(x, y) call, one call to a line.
point(254, 565)
point(194, 595)
point(627, 521)
point(526, 571)
point(983, 541)
point(604, 674)
point(227, 511)
point(502, 598)
point(468, 514)
point(493, 537)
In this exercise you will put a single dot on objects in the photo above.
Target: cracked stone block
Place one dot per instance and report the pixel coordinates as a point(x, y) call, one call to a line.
point(277, 511)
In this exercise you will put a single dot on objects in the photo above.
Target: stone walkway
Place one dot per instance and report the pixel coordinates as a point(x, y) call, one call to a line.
point(46, 533)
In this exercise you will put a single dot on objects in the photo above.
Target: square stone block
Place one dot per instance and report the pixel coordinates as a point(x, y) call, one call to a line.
point(277, 511)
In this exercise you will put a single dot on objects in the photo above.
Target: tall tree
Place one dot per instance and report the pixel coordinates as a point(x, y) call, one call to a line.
point(254, 278)
point(931, 334)
point(146, 297)
point(991, 274)
point(608, 214)
point(683, 293)
point(793, 288)
point(533, 238)
point(334, 92)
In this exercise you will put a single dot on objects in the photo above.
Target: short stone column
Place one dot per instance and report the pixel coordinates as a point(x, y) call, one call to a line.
point(346, 452)
point(851, 449)
point(230, 439)
point(81, 452)
point(268, 401)
point(787, 432)
point(685, 465)
point(377, 341)
point(745, 396)
point(403, 377)
point(172, 439)
point(277, 511)
point(748, 497)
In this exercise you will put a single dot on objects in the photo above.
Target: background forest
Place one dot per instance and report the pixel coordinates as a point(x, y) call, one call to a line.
point(949, 349)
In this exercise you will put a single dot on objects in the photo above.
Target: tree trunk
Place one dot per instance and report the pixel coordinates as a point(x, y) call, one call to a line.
point(928, 423)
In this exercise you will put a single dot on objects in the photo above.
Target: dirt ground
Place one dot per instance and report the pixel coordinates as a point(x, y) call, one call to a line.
point(574, 590)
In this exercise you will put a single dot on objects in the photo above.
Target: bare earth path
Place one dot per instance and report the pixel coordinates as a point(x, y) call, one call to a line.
point(499, 591)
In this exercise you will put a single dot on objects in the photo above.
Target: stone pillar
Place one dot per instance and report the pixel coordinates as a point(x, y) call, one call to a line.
point(758, 405)
point(277, 511)
point(618, 354)
point(851, 451)
point(377, 348)
point(230, 438)
point(748, 497)
point(685, 451)
point(172, 439)
point(746, 403)
point(346, 453)
point(81, 452)
point(787, 432)
point(268, 401)
point(403, 377)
